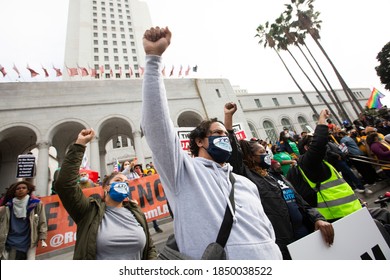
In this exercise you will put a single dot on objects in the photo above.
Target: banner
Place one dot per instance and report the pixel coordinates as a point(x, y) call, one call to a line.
point(147, 191)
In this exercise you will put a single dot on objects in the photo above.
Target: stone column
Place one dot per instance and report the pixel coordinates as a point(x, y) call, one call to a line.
point(138, 147)
point(94, 153)
point(42, 175)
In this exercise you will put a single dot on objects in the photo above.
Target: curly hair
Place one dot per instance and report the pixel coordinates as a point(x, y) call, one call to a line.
point(248, 149)
point(107, 179)
point(201, 132)
point(10, 193)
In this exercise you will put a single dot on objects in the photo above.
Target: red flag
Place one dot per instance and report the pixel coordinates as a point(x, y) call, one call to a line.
point(141, 70)
point(33, 73)
point(84, 71)
point(2, 70)
point(163, 71)
point(173, 67)
point(72, 71)
point(131, 72)
point(58, 71)
point(101, 69)
point(188, 70)
point(46, 73)
point(16, 70)
point(93, 72)
point(181, 69)
point(111, 73)
point(120, 71)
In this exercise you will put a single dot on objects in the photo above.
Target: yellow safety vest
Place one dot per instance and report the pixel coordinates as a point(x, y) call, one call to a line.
point(335, 198)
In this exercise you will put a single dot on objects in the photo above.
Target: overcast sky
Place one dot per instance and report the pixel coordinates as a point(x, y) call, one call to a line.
point(216, 35)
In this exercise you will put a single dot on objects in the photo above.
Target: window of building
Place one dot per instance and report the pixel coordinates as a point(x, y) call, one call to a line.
point(127, 75)
point(125, 58)
point(123, 36)
point(121, 29)
point(124, 50)
point(96, 58)
point(104, 21)
point(94, 8)
point(258, 103)
point(116, 58)
point(104, 28)
point(113, 22)
point(270, 131)
point(112, 16)
point(104, 35)
point(319, 98)
point(218, 93)
point(95, 50)
point(107, 77)
point(303, 123)
point(95, 42)
point(103, 15)
point(114, 43)
point(117, 75)
point(131, 37)
point(132, 44)
point(275, 100)
point(286, 123)
point(103, 9)
point(113, 28)
point(120, 22)
point(135, 58)
point(105, 42)
point(106, 58)
point(113, 35)
point(95, 14)
point(126, 67)
point(292, 101)
point(95, 20)
point(105, 50)
point(95, 27)
point(120, 17)
point(111, 10)
point(115, 50)
point(130, 29)
point(116, 66)
point(107, 67)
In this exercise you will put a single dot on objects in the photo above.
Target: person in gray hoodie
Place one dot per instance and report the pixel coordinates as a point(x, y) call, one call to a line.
point(198, 187)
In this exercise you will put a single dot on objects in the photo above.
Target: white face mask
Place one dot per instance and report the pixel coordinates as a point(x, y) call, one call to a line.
point(84, 179)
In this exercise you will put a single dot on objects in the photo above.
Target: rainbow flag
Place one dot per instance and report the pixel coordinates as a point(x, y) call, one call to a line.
point(374, 100)
point(117, 166)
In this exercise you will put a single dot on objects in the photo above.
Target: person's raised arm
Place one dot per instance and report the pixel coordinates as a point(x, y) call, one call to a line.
point(71, 195)
point(156, 40)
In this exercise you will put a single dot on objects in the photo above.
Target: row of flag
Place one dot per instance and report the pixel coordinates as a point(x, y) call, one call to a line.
point(374, 102)
point(84, 71)
point(33, 73)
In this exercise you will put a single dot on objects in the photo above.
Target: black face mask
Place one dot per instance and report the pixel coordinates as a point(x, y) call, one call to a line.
point(219, 148)
point(265, 161)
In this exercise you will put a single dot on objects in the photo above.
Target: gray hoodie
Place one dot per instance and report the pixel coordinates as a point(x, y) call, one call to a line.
point(198, 189)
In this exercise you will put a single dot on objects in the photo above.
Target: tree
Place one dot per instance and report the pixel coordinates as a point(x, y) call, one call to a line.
point(266, 37)
point(383, 70)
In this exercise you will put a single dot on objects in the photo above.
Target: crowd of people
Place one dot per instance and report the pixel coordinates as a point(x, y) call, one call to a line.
point(273, 194)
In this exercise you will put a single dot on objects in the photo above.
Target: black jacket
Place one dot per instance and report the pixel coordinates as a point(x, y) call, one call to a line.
point(273, 202)
point(311, 162)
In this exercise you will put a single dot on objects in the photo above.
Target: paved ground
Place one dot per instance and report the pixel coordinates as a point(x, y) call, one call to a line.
point(167, 226)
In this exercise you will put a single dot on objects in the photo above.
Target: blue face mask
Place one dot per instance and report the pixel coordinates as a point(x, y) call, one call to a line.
point(219, 148)
point(265, 161)
point(119, 191)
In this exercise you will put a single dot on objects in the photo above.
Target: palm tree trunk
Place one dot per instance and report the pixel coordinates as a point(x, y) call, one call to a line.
point(297, 84)
point(322, 83)
point(347, 90)
point(316, 89)
point(345, 115)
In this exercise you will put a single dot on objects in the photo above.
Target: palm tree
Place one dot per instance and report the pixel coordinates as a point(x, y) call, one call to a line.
point(284, 37)
point(308, 21)
point(266, 38)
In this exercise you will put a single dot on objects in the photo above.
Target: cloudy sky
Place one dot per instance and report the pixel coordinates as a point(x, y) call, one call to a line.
point(218, 36)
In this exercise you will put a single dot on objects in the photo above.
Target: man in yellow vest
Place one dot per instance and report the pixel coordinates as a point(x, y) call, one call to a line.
point(318, 182)
point(320, 185)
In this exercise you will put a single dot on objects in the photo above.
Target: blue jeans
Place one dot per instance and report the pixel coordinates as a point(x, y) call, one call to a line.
point(348, 175)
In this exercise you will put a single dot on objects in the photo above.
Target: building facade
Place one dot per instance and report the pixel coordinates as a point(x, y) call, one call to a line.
point(47, 116)
point(104, 38)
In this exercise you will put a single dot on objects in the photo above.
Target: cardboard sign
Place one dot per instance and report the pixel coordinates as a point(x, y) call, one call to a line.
point(356, 237)
point(25, 166)
point(147, 191)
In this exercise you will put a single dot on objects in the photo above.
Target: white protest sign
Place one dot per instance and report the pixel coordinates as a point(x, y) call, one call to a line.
point(356, 237)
